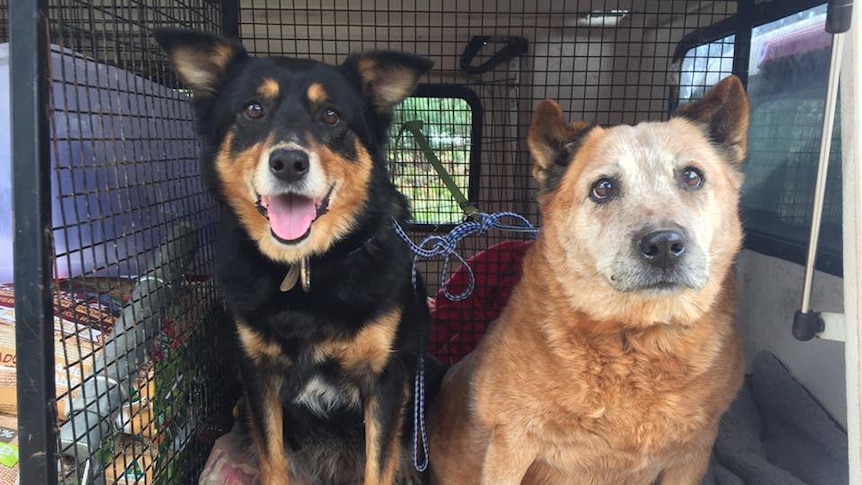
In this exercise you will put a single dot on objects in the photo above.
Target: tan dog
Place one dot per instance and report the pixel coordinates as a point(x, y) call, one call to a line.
point(617, 353)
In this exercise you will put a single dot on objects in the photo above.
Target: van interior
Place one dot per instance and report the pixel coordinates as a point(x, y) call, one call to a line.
point(124, 174)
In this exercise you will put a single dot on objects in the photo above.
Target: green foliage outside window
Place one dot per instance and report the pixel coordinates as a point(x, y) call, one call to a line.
point(447, 124)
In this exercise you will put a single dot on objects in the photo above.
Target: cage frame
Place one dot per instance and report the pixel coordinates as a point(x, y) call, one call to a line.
point(31, 167)
point(30, 105)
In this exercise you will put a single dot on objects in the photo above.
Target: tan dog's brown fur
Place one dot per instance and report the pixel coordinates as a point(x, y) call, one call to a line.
point(583, 380)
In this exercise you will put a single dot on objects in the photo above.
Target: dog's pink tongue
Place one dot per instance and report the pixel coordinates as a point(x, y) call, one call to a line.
point(290, 216)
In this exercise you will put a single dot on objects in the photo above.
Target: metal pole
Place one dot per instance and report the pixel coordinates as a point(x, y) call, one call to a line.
point(31, 194)
point(807, 324)
point(822, 168)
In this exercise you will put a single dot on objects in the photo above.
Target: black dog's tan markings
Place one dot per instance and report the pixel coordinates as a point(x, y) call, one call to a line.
point(294, 151)
point(316, 94)
point(260, 349)
point(234, 172)
point(268, 440)
point(368, 351)
point(354, 180)
point(269, 89)
point(380, 467)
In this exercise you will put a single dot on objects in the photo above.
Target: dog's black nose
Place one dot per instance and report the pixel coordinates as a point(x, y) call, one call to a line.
point(288, 165)
point(662, 248)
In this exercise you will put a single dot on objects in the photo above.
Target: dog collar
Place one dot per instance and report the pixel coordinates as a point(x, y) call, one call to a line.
point(302, 272)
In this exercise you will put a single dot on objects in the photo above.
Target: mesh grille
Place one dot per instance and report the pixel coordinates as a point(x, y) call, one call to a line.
point(133, 238)
point(134, 228)
point(603, 61)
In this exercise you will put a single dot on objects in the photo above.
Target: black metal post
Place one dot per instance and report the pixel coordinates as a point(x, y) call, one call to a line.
point(230, 18)
point(742, 47)
point(31, 193)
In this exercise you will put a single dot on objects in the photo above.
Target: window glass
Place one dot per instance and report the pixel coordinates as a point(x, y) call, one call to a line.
point(447, 125)
point(705, 65)
point(787, 77)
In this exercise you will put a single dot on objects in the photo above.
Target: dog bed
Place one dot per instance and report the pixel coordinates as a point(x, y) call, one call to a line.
point(776, 433)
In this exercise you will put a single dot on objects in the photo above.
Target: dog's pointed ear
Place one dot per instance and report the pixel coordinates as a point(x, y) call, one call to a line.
point(552, 142)
point(201, 60)
point(388, 77)
point(724, 110)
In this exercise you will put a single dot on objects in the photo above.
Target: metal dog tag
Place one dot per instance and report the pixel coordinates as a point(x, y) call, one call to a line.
point(290, 279)
point(305, 274)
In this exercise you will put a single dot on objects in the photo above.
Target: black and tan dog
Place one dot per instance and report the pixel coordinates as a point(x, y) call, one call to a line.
point(317, 280)
point(617, 353)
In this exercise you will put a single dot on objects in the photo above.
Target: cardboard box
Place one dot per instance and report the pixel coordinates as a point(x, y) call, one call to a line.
point(78, 334)
point(132, 463)
point(8, 450)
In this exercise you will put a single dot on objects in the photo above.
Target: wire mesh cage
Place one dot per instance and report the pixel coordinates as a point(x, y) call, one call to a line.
point(140, 375)
point(141, 382)
point(603, 61)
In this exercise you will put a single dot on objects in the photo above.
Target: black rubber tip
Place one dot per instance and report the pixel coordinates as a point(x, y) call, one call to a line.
point(806, 326)
point(838, 15)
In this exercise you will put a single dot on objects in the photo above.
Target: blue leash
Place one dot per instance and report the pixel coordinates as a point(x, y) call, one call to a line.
point(446, 246)
point(419, 430)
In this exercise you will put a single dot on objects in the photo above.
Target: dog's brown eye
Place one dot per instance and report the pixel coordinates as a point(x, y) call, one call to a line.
point(253, 111)
point(330, 116)
point(602, 190)
point(692, 178)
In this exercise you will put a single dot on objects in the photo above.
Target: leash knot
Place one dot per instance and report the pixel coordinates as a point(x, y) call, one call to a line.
point(446, 245)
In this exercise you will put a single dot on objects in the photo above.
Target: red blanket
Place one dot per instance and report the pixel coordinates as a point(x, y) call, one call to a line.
point(458, 325)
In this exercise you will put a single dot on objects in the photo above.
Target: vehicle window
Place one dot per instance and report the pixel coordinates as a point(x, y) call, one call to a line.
point(787, 77)
point(447, 124)
point(705, 65)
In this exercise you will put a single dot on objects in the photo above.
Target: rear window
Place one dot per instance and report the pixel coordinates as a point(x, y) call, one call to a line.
point(787, 76)
point(449, 118)
point(788, 67)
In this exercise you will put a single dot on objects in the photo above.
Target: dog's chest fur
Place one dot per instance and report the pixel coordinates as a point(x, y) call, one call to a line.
point(628, 392)
point(626, 400)
point(321, 396)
